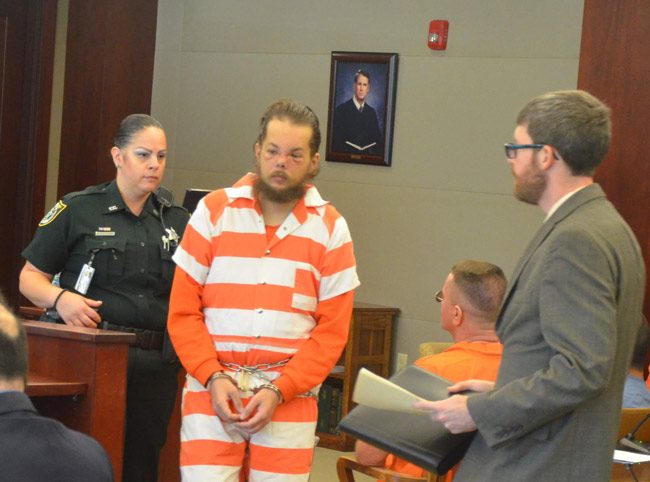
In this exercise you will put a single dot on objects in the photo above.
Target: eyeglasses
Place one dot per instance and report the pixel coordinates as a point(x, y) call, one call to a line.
point(438, 296)
point(511, 149)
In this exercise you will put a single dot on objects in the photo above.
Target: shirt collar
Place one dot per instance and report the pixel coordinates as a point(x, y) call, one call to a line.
point(561, 201)
point(357, 103)
point(115, 203)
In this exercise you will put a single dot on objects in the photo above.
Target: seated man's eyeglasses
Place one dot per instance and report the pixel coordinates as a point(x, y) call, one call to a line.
point(438, 296)
point(511, 149)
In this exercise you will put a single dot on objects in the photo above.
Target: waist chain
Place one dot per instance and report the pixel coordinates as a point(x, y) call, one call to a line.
point(245, 372)
point(245, 375)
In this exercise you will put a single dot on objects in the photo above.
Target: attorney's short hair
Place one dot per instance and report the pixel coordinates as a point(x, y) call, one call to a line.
point(573, 122)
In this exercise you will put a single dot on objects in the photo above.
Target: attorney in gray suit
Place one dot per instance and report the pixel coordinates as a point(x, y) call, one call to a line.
point(569, 316)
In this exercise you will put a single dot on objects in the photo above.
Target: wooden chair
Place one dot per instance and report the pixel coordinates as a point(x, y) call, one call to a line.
point(346, 464)
point(630, 417)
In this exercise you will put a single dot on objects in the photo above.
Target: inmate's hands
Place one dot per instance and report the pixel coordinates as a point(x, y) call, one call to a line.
point(226, 400)
point(77, 310)
point(260, 409)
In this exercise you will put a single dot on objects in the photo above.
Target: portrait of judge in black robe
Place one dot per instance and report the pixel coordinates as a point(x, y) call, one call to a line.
point(355, 127)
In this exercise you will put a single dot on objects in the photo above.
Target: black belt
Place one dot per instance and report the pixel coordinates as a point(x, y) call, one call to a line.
point(145, 339)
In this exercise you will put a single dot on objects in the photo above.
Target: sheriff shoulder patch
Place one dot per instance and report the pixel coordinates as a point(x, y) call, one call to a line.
point(52, 214)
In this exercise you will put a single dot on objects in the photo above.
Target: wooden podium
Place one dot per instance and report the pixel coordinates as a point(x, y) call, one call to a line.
point(78, 376)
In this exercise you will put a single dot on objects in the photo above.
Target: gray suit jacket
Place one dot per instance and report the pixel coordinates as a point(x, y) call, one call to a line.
point(567, 324)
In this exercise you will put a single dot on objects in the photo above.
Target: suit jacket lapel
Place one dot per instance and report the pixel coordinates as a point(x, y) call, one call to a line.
point(583, 196)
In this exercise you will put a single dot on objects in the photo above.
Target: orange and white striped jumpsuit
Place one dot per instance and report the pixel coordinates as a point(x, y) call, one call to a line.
point(242, 298)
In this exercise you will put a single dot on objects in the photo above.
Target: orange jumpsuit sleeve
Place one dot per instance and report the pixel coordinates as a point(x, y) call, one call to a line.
point(187, 330)
point(315, 359)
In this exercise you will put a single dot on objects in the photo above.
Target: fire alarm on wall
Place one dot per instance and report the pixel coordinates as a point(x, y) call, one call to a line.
point(437, 39)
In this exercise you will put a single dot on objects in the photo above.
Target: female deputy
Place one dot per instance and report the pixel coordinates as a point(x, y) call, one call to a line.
point(112, 245)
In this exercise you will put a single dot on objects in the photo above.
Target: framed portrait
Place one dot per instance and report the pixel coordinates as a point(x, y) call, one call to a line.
point(361, 107)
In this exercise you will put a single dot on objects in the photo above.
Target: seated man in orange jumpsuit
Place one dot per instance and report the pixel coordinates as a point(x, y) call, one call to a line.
point(469, 304)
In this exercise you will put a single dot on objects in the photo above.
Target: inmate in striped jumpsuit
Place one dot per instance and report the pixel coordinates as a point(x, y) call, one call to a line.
point(243, 299)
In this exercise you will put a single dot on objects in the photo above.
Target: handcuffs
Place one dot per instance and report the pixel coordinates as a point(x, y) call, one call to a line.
point(246, 372)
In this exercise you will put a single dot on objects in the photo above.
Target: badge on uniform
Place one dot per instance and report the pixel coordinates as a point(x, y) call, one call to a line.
point(170, 240)
point(52, 214)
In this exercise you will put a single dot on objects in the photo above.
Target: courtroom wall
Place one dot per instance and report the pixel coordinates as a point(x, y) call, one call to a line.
point(448, 194)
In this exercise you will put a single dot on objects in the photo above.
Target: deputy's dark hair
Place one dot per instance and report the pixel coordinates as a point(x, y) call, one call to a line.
point(296, 113)
point(131, 125)
point(13, 345)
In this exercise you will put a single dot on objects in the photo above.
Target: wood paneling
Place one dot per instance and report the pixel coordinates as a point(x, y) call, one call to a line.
point(88, 364)
point(26, 55)
point(615, 67)
point(369, 346)
point(108, 75)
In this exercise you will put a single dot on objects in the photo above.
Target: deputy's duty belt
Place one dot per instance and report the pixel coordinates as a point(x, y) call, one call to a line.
point(145, 339)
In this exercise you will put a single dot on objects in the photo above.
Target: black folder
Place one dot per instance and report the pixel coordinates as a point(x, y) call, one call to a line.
point(413, 437)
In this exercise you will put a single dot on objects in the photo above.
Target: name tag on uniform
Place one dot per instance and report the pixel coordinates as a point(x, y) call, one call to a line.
point(104, 231)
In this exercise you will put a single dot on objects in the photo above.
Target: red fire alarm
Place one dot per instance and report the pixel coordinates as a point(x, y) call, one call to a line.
point(437, 39)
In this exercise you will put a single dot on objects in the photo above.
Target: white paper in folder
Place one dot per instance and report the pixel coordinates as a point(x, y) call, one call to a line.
point(376, 392)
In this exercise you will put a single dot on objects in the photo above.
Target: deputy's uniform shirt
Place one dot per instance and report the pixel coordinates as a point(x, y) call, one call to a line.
point(131, 255)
